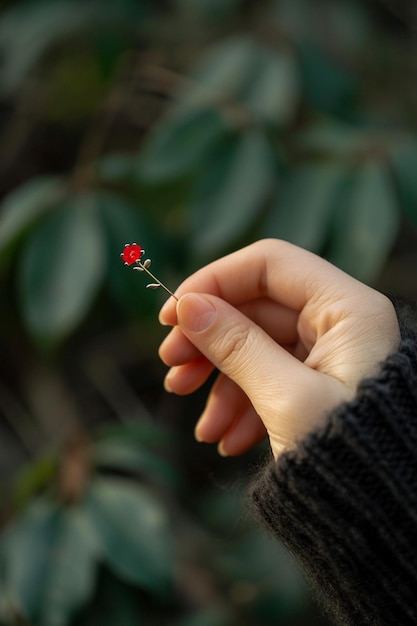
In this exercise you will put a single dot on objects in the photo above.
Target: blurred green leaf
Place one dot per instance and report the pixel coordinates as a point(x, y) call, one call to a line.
point(221, 74)
point(301, 213)
point(133, 530)
point(135, 459)
point(71, 576)
point(122, 222)
point(334, 139)
point(144, 433)
point(240, 72)
point(232, 190)
point(23, 206)
point(403, 160)
point(4, 602)
point(3, 591)
point(259, 557)
point(121, 219)
point(365, 224)
point(164, 205)
point(179, 144)
point(126, 11)
point(221, 509)
point(27, 30)
point(116, 168)
point(4, 607)
point(211, 9)
point(61, 269)
point(26, 548)
point(213, 616)
point(114, 604)
point(327, 86)
point(347, 22)
point(274, 92)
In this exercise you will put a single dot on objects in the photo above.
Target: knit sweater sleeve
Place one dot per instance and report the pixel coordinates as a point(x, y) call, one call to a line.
point(345, 501)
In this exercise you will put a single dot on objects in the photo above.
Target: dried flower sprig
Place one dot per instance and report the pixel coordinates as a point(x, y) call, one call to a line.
point(132, 255)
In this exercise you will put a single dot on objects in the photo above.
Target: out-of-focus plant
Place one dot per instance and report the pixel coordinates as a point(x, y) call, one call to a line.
point(67, 244)
point(99, 541)
point(265, 132)
point(93, 508)
point(194, 128)
point(288, 154)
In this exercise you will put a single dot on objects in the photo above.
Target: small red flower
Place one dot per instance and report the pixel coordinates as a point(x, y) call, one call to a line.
point(131, 253)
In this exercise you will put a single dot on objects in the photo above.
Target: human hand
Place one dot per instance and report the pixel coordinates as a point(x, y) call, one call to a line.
point(291, 335)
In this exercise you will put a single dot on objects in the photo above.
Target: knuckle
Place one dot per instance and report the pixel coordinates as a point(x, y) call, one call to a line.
point(233, 348)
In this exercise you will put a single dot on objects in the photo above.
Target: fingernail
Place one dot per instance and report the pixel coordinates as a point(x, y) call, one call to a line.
point(195, 312)
point(221, 450)
point(163, 313)
point(197, 428)
point(198, 437)
point(167, 384)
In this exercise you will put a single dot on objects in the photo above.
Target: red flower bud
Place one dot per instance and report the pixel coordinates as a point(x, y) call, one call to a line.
point(131, 253)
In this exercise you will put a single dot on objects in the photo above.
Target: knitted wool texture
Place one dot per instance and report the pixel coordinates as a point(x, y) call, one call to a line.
point(345, 501)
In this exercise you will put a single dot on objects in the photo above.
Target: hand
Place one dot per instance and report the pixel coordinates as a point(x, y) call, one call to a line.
point(291, 335)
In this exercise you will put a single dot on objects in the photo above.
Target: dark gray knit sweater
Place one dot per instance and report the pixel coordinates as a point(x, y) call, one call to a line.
point(345, 501)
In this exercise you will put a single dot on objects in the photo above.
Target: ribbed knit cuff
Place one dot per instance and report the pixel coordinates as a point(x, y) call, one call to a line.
point(345, 501)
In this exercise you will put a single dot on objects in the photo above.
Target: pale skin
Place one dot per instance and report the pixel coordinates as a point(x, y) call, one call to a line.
point(291, 335)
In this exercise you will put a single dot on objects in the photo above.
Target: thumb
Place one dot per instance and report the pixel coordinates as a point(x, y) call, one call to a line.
point(240, 349)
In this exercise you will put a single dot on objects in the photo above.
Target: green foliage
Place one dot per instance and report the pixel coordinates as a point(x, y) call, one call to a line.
point(24, 579)
point(240, 72)
point(65, 255)
point(50, 556)
point(365, 222)
point(231, 192)
point(110, 550)
point(134, 459)
point(208, 9)
point(61, 269)
point(328, 87)
point(302, 209)
point(27, 32)
point(404, 165)
point(192, 128)
point(207, 617)
point(114, 602)
point(265, 137)
point(30, 30)
point(117, 524)
point(33, 479)
point(26, 204)
point(70, 576)
point(180, 144)
point(133, 533)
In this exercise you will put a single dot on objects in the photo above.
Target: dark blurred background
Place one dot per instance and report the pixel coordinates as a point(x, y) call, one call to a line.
point(192, 127)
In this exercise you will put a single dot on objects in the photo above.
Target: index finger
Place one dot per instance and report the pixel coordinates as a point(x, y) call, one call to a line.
point(269, 268)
